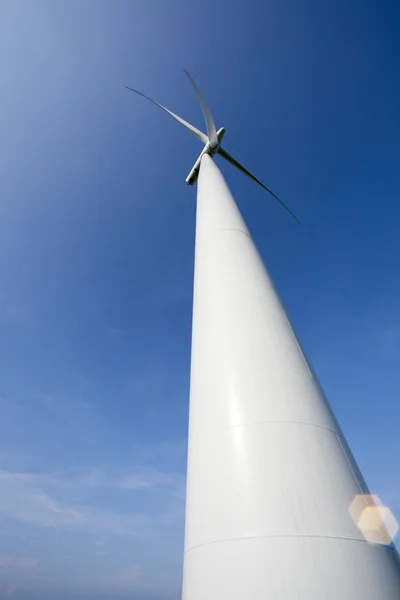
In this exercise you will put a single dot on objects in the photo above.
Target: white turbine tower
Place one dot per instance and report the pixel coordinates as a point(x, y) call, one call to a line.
point(276, 506)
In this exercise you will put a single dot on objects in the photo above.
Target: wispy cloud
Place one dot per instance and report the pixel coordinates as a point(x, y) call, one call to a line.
point(124, 579)
point(18, 572)
point(18, 562)
point(71, 411)
point(22, 501)
point(135, 479)
point(139, 478)
point(32, 498)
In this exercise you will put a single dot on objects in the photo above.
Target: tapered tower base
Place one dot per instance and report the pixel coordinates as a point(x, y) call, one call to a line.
point(270, 476)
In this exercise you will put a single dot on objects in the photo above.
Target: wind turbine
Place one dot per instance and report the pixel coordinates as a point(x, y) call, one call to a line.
point(276, 506)
point(211, 141)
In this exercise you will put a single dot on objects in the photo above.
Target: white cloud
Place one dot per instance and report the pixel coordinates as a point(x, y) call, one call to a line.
point(138, 478)
point(22, 501)
point(31, 498)
point(135, 479)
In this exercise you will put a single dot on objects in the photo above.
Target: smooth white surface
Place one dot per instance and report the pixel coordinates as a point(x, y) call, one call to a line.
point(211, 131)
point(270, 476)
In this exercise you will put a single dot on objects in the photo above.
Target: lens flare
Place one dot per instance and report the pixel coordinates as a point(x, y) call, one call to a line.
point(375, 521)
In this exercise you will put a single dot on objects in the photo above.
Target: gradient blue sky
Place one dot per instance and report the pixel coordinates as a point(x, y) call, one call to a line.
point(96, 257)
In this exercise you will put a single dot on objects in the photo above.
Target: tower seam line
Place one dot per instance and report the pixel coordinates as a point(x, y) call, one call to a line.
point(300, 535)
point(286, 421)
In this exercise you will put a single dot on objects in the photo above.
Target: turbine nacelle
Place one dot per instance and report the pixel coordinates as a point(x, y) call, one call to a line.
point(211, 141)
point(194, 173)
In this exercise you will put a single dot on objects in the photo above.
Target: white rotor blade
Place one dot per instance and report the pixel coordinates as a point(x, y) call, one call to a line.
point(236, 164)
point(199, 134)
point(212, 132)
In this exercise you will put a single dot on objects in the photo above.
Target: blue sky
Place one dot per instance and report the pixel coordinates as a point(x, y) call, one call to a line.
point(96, 257)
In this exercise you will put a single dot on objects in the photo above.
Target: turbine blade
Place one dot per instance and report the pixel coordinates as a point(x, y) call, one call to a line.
point(211, 131)
point(199, 134)
point(236, 164)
